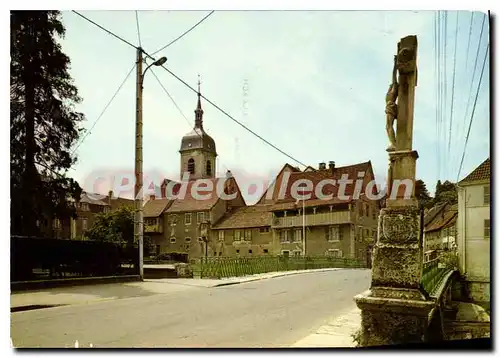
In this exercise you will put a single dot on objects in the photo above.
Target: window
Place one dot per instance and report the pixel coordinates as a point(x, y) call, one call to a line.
point(367, 210)
point(106, 209)
point(187, 239)
point(56, 224)
point(297, 253)
point(200, 239)
point(285, 253)
point(173, 220)
point(187, 218)
point(374, 213)
point(333, 233)
point(237, 235)
point(221, 235)
point(200, 217)
point(150, 222)
point(263, 230)
point(335, 253)
point(84, 206)
point(237, 251)
point(249, 251)
point(284, 236)
point(84, 224)
point(209, 168)
point(487, 195)
point(487, 229)
point(298, 235)
point(248, 235)
point(266, 251)
point(360, 206)
point(172, 240)
point(191, 166)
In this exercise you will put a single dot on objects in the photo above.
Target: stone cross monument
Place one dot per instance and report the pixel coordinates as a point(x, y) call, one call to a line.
point(395, 308)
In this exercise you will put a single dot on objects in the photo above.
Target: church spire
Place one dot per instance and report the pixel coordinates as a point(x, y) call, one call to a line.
point(198, 123)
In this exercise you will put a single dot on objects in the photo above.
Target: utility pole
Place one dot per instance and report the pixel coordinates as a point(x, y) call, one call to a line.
point(304, 225)
point(138, 217)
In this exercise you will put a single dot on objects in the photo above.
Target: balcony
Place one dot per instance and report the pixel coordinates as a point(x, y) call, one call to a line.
point(321, 219)
point(153, 226)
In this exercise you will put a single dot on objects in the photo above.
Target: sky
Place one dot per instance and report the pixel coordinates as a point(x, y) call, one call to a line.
point(313, 83)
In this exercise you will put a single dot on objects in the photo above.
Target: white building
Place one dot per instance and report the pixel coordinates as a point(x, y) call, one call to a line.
point(473, 227)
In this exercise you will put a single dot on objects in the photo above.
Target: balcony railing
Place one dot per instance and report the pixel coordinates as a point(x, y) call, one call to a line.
point(153, 228)
point(331, 218)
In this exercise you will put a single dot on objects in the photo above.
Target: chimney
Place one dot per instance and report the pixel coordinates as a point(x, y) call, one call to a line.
point(331, 165)
point(152, 197)
point(322, 166)
point(110, 195)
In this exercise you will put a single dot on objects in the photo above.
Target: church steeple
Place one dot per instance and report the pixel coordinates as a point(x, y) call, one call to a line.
point(198, 122)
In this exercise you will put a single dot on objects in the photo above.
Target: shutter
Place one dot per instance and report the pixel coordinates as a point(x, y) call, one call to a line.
point(327, 233)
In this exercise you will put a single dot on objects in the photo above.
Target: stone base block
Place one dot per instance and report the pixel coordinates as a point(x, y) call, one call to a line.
point(402, 170)
point(390, 321)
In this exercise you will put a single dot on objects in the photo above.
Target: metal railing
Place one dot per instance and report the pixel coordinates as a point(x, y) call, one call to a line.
point(432, 274)
point(219, 267)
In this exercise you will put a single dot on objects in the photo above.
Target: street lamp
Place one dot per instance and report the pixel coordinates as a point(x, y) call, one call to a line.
point(138, 193)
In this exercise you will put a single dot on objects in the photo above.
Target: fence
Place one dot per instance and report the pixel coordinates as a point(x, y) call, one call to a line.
point(219, 267)
point(432, 273)
point(40, 258)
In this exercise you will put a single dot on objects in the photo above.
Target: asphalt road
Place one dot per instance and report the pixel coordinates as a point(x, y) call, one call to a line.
point(267, 313)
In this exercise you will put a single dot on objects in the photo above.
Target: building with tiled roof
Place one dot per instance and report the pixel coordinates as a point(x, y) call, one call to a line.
point(179, 223)
point(481, 173)
point(344, 227)
point(440, 229)
point(244, 231)
point(474, 231)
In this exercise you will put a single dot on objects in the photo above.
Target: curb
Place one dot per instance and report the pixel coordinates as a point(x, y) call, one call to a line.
point(288, 273)
point(20, 286)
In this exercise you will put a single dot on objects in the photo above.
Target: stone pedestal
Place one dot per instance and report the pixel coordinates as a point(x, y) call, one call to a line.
point(395, 310)
point(401, 178)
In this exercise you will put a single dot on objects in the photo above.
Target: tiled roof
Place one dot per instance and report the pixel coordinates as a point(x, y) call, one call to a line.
point(445, 218)
point(154, 208)
point(482, 172)
point(431, 214)
point(246, 217)
point(118, 202)
point(263, 199)
point(94, 199)
point(188, 203)
point(315, 177)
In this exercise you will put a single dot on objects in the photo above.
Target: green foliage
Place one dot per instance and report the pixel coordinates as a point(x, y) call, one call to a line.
point(422, 194)
point(43, 122)
point(449, 259)
point(117, 226)
point(445, 193)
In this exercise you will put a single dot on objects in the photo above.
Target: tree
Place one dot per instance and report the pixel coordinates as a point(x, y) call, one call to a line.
point(445, 193)
point(43, 122)
point(117, 227)
point(422, 194)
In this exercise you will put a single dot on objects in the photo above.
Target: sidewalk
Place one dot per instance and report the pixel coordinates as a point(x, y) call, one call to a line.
point(105, 292)
point(337, 334)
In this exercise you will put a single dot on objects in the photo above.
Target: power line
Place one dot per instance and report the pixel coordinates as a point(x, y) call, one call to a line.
point(104, 110)
point(473, 73)
point(102, 28)
point(445, 106)
point(138, 28)
point(436, 71)
point(473, 110)
point(192, 89)
point(453, 87)
point(468, 42)
point(186, 32)
point(234, 120)
point(171, 98)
